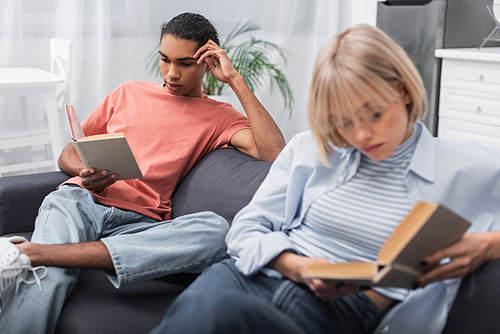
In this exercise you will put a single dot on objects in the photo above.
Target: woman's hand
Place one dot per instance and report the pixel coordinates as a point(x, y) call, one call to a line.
point(466, 255)
point(96, 181)
point(217, 61)
point(293, 266)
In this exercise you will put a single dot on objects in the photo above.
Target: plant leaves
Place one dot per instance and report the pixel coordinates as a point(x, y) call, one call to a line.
point(250, 58)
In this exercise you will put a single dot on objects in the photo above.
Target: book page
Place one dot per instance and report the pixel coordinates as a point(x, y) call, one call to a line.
point(426, 228)
point(342, 271)
point(103, 136)
point(443, 228)
point(74, 123)
point(429, 228)
point(405, 231)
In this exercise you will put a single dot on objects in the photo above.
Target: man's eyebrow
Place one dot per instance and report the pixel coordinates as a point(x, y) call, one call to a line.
point(178, 59)
point(185, 58)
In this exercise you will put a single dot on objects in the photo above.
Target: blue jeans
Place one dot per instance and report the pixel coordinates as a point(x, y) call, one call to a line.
point(222, 300)
point(141, 248)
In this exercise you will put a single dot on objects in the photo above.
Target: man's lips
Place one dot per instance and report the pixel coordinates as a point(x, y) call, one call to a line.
point(371, 148)
point(172, 86)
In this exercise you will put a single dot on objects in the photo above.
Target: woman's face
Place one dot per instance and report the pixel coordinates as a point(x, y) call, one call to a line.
point(376, 131)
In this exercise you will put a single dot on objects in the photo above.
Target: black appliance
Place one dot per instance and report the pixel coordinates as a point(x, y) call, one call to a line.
point(421, 26)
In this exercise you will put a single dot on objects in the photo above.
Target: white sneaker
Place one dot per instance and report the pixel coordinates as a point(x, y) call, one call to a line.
point(15, 267)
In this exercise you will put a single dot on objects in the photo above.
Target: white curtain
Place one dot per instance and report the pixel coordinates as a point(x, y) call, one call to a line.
point(112, 39)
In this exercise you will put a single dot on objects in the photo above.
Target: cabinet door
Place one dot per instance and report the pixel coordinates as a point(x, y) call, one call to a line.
point(449, 128)
point(476, 106)
point(478, 75)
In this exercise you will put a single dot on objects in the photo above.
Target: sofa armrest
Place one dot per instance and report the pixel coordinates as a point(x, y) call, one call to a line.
point(21, 196)
point(476, 307)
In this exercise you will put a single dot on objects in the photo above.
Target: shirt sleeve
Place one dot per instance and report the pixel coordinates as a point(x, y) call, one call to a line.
point(258, 233)
point(230, 122)
point(96, 123)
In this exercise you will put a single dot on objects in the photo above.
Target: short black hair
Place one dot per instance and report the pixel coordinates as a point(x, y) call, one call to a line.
point(190, 26)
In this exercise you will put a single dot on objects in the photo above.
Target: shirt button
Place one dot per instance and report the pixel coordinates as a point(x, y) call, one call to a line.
point(341, 178)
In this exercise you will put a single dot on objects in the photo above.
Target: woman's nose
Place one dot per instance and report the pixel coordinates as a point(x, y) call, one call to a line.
point(363, 131)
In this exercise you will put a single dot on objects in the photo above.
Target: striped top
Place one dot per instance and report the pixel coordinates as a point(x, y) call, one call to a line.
point(352, 222)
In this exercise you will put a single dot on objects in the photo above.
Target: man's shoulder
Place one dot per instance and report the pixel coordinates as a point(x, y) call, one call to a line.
point(208, 101)
point(137, 84)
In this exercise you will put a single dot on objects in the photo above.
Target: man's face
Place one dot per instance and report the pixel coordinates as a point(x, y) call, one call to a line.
point(181, 74)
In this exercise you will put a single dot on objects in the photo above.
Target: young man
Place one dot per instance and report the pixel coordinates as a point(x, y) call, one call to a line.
point(96, 220)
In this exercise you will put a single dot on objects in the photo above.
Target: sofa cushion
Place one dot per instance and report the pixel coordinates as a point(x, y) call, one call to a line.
point(223, 182)
point(96, 307)
point(476, 307)
point(20, 198)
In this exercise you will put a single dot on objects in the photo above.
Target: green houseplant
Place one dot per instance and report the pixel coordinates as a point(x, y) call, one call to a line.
point(250, 58)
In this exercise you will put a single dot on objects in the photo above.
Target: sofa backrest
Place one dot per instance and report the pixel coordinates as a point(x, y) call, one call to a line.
point(223, 182)
point(20, 198)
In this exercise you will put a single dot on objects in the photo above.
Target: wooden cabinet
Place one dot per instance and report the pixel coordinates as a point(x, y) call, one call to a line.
point(469, 99)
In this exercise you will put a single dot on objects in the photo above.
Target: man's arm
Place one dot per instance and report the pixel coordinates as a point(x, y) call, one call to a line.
point(70, 163)
point(263, 140)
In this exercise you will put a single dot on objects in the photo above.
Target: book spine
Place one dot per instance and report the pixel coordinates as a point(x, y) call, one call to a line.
point(406, 269)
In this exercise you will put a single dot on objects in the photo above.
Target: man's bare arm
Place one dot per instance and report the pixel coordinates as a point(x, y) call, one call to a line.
point(69, 161)
point(71, 164)
point(264, 140)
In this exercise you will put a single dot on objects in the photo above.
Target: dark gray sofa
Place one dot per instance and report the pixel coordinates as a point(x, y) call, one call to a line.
point(223, 182)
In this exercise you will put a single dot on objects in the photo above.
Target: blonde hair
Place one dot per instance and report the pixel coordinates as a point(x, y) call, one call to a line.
point(353, 67)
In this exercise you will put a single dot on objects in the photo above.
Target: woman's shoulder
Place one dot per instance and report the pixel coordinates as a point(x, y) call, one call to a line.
point(302, 143)
point(467, 157)
point(463, 149)
point(302, 150)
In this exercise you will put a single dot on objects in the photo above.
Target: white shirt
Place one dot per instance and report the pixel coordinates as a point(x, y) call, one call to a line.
point(463, 176)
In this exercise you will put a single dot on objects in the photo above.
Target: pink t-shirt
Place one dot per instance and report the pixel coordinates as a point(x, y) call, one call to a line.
point(167, 134)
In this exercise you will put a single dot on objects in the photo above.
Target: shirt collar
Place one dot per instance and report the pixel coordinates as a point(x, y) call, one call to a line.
point(423, 161)
point(424, 156)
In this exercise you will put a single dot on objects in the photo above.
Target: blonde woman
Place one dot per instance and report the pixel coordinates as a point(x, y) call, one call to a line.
point(335, 194)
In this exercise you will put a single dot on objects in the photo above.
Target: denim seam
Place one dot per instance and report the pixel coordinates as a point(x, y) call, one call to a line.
point(179, 268)
point(121, 276)
point(282, 294)
point(44, 222)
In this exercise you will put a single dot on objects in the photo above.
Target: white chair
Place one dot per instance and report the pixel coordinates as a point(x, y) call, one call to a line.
point(56, 88)
point(61, 54)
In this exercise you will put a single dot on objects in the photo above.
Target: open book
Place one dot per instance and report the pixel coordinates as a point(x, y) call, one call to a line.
point(107, 151)
point(427, 228)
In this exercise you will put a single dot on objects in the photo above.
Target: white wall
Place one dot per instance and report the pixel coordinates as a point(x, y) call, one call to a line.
point(357, 11)
point(112, 39)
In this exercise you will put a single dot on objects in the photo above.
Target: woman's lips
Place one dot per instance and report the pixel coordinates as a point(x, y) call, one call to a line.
point(371, 148)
